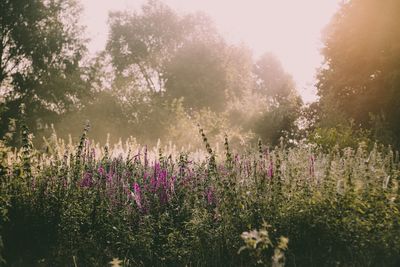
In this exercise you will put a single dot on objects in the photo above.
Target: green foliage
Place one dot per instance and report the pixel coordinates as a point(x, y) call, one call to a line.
point(360, 76)
point(278, 122)
point(257, 242)
point(340, 136)
point(282, 107)
point(173, 77)
point(160, 75)
point(106, 115)
point(4, 196)
point(161, 58)
point(88, 205)
point(198, 74)
point(41, 51)
point(273, 80)
point(142, 44)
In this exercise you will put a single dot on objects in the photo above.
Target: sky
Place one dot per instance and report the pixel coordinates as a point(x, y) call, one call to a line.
point(291, 29)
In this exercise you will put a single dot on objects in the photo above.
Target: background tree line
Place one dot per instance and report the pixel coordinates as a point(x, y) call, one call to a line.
point(161, 73)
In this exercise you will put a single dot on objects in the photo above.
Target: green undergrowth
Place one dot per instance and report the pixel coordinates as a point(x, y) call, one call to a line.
point(299, 206)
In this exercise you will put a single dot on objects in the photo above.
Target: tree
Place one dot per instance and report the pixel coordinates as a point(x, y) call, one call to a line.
point(160, 58)
point(273, 81)
point(41, 48)
point(360, 78)
point(162, 53)
point(209, 73)
point(140, 43)
point(283, 101)
point(198, 75)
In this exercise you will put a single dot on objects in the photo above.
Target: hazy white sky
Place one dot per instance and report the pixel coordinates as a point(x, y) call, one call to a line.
point(291, 29)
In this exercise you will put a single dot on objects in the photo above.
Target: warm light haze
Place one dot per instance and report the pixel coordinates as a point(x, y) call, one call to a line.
point(140, 133)
point(290, 29)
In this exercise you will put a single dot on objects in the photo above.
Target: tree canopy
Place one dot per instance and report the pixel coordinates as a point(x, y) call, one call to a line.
point(360, 78)
point(161, 73)
point(41, 50)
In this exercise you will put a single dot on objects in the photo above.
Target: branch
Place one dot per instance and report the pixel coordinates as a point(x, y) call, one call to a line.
point(148, 80)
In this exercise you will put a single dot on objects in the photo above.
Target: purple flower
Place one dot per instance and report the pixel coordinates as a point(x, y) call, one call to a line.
point(210, 196)
point(162, 186)
point(101, 171)
point(157, 168)
point(137, 195)
point(162, 179)
point(109, 176)
point(153, 184)
point(87, 180)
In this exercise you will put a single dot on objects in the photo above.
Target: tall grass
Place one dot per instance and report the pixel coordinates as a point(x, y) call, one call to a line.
point(163, 207)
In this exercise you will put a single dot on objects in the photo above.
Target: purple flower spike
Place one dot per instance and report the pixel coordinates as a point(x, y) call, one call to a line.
point(210, 196)
point(153, 184)
point(101, 171)
point(109, 177)
point(271, 169)
point(137, 195)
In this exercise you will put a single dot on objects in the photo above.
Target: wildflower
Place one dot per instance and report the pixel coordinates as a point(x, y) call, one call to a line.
point(161, 186)
point(116, 262)
point(271, 169)
point(162, 179)
point(172, 184)
point(93, 155)
point(210, 196)
point(109, 176)
point(137, 195)
point(101, 171)
point(87, 180)
point(153, 184)
point(157, 168)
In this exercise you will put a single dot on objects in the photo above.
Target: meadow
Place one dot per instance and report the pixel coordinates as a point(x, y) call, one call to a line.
point(263, 134)
point(86, 205)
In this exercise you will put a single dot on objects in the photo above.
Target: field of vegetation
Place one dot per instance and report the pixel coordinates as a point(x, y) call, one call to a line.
point(226, 162)
point(83, 205)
